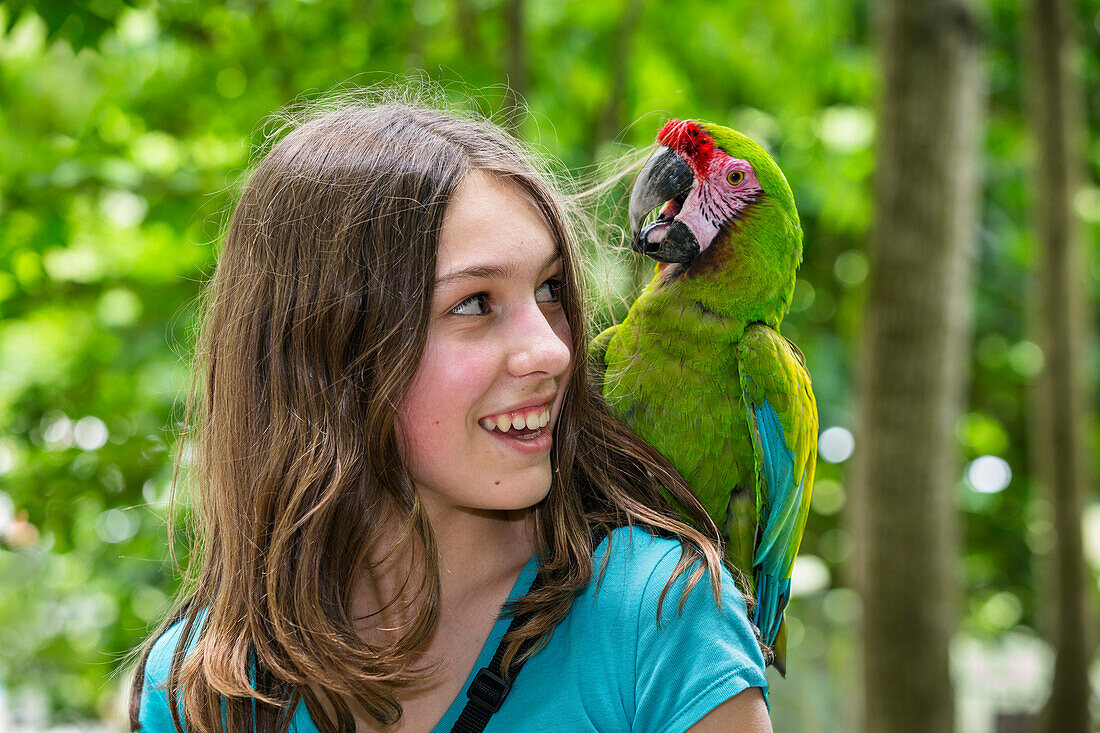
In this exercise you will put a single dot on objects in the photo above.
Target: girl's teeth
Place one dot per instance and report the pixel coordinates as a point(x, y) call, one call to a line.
point(530, 421)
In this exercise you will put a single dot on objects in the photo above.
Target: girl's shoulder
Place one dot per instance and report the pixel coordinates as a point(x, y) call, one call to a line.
point(634, 565)
point(632, 665)
point(691, 652)
point(164, 648)
point(167, 643)
point(635, 543)
point(638, 559)
point(154, 713)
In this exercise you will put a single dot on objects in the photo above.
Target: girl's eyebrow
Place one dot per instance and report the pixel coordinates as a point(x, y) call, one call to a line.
point(499, 272)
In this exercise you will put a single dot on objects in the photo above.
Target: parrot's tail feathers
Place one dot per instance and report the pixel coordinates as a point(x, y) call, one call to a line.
point(779, 650)
point(771, 599)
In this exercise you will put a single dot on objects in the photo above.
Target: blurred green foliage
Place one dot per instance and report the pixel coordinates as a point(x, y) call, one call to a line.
point(124, 127)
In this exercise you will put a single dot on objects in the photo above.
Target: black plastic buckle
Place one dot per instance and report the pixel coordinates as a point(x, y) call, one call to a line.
point(488, 690)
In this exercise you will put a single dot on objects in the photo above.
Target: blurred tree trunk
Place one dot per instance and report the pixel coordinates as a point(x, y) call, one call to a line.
point(467, 29)
point(516, 63)
point(1059, 441)
point(609, 120)
point(914, 360)
point(1014, 723)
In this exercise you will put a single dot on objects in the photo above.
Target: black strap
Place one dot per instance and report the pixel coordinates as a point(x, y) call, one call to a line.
point(489, 688)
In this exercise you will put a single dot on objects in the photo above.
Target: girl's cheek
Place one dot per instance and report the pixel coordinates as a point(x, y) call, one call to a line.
point(461, 370)
point(449, 387)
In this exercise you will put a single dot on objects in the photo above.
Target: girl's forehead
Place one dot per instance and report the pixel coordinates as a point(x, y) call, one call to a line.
point(480, 189)
point(490, 221)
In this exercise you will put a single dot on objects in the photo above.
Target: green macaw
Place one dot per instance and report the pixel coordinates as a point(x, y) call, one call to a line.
point(698, 367)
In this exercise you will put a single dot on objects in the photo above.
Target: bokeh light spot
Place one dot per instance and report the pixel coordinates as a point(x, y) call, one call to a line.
point(988, 474)
point(803, 296)
point(118, 307)
point(1026, 359)
point(7, 511)
point(1000, 612)
point(57, 432)
point(1090, 527)
point(230, 82)
point(428, 12)
point(796, 631)
point(845, 128)
point(835, 545)
point(828, 497)
point(114, 526)
point(851, 268)
point(836, 444)
point(157, 152)
point(90, 433)
point(1087, 203)
point(7, 456)
point(149, 602)
point(125, 208)
point(842, 606)
point(138, 27)
point(809, 575)
point(73, 264)
point(1040, 538)
point(981, 433)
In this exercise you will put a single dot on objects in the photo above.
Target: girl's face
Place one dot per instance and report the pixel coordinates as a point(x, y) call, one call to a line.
point(476, 422)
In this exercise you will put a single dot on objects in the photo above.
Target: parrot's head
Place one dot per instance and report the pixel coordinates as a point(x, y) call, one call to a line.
point(714, 206)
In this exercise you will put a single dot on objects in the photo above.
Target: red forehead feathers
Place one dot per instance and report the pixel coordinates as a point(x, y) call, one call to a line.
point(689, 140)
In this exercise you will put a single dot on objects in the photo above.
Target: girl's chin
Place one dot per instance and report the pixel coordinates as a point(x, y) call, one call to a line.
point(520, 493)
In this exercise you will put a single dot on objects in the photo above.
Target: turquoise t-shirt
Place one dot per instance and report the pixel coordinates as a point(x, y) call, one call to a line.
point(607, 667)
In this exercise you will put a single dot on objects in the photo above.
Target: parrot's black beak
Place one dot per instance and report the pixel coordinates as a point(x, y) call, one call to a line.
point(665, 179)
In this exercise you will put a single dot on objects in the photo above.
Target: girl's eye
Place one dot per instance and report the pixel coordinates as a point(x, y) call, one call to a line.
point(475, 305)
point(478, 304)
point(549, 291)
point(735, 177)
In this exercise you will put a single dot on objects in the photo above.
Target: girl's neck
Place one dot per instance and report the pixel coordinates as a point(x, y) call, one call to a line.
point(478, 549)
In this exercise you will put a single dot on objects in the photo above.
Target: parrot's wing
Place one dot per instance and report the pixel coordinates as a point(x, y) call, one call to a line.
point(782, 415)
point(597, 353)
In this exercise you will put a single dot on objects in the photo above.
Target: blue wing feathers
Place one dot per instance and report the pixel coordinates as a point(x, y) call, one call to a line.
point(778, 461)
point(784, 498)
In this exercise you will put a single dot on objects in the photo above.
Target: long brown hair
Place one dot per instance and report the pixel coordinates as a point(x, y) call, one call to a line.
point(316, 319)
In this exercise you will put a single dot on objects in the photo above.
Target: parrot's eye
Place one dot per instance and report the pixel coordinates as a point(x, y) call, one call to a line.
point(734, 178)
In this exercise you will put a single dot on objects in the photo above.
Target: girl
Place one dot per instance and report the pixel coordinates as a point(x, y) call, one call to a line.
point(397, 433)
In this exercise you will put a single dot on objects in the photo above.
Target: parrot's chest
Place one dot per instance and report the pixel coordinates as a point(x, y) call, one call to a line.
point(672, 376)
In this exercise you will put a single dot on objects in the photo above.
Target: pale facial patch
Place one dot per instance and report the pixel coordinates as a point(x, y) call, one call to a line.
point(715, 201)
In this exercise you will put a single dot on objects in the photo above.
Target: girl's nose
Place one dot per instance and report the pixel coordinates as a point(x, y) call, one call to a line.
point(539, 344)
